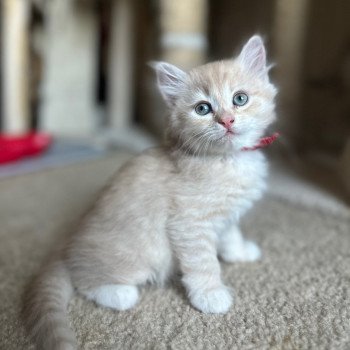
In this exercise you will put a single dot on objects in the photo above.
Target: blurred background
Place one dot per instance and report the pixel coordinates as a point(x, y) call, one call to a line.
point(77, 69)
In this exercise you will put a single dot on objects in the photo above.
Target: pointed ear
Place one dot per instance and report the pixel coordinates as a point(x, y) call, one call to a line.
point(170, 80)
point(253, 57)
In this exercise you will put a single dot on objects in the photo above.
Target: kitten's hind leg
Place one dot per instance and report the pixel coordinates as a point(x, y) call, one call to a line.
point(233, 247)
point(114, 296)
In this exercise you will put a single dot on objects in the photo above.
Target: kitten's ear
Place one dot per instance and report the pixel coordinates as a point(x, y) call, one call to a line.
point(170, 80)
point(253, 57)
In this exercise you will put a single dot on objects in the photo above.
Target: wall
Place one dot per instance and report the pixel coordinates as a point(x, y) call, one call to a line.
point(324, 123)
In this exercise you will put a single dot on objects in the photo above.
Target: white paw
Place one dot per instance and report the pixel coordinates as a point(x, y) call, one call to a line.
point(214, 301)
point(248, 251)
point(115, 296)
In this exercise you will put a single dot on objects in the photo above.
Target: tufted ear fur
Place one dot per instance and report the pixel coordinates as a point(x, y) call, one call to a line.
point(253, 57)
point(170, 81)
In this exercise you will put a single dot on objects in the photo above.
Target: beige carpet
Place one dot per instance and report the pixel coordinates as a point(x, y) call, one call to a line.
point(297, 297)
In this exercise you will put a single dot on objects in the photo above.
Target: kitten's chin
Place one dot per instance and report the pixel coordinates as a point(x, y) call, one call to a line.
point(229, 138)
point(228, 143)
point(237, 142)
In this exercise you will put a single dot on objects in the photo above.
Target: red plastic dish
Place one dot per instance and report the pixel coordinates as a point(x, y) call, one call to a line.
point(15, 147)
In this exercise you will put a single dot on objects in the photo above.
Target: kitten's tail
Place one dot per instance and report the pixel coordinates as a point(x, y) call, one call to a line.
point(45, 309)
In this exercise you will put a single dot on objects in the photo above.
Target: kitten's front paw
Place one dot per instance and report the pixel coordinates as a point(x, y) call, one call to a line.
point(214, 301)
point(246, 252)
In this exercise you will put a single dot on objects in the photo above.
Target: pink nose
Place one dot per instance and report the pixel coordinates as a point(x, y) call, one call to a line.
point(227, 120)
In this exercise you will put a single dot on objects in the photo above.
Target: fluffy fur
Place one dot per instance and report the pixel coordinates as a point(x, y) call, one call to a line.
point(172, 207)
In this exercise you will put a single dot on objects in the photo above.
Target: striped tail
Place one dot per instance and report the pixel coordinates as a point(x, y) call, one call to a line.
point(45, 309)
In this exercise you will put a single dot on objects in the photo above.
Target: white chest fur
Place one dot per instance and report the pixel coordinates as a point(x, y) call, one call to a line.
point(223, 188)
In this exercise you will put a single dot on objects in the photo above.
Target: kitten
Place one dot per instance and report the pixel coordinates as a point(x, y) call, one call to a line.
point(172, 207)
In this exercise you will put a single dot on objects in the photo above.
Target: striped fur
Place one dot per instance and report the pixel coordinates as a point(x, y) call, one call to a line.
point(45, 307)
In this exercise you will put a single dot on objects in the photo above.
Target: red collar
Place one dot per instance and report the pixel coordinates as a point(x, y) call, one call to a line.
point(264, 142)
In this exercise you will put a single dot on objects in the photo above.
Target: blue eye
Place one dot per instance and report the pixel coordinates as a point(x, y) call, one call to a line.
point(203, 108)
point(240, 99)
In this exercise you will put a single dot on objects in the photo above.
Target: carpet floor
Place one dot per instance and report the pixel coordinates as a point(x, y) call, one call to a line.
point(296, 297)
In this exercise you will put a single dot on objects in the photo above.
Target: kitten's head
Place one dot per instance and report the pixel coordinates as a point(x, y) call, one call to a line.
point(221, 106)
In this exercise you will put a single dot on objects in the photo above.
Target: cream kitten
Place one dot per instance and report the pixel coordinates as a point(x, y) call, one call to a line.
point(172, 207)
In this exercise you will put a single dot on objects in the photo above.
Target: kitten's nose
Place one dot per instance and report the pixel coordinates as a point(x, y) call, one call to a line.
point(227, 120)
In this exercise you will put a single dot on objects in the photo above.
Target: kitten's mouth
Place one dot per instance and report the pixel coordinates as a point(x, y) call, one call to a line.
point(231, 132)
point(228, 135)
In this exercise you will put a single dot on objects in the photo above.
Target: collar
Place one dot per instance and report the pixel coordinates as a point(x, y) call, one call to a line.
point(264, 142)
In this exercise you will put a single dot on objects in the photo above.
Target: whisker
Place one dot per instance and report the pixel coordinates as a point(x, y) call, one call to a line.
point(192, 137)
point(188, 144)
point(201, 144)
